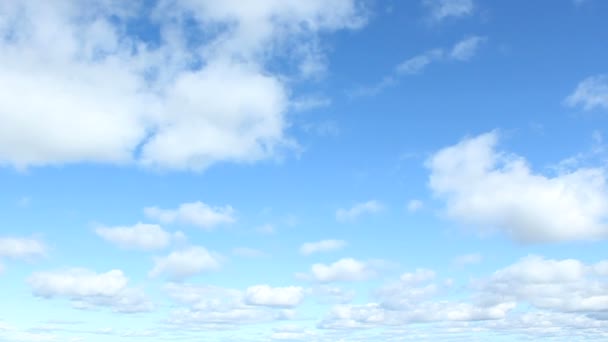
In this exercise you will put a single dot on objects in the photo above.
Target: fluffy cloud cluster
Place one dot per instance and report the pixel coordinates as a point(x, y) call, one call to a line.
point(87, 289)
point(187, 262)
point(216, 307)
point(557, 285)
point(496, 190)
point(78, 84)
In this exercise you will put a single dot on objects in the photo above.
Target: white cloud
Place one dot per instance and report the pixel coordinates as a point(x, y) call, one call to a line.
point(468, 259)
point(88, 289)
point(466, 48)
point(185, 263)
point(346, 269)
point(21, 248)
point(442, 9)
point(162, 105)
point(560, 285)
point(487, 188)
point(264, 295)
point(590, 93)
point(196, 213)
point(418, 63)
point(216, 308)
point(414, 205)
point(322, 246)
point(461, 51)
point(247, 252)
point(140, 236)
point(369, 207)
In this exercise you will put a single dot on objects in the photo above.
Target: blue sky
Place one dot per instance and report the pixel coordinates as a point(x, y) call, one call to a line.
point(344, 170)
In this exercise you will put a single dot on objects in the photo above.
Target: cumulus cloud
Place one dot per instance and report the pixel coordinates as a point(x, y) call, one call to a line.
point(216, 307)
point(590, 93)
point(198, 214)
point(264, 295)
point(566, 285)
point(87, 289)
point(140, 236)
point(161, 103)
point(185, 263)
point(489, 188)
point(359, 209)
point(21, 248)
point(322, 246)
point(346, 269)
point(443, 9)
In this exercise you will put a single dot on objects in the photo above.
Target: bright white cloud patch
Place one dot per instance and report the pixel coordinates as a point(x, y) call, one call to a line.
point(185, 263)
point(140, 236)
point(560, 285)
point(265, 295)
point(491, 189)
point(87, 289)
point(196, 213)
point(591, 93)
point(347, 269)
point(215, 307)
point(442, 9)
point(21, 248)
point(75, 85)
point(359, 209)
point(322, 246)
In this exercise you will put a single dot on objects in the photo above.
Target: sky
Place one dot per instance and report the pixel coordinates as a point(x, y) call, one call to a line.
point(320, 170)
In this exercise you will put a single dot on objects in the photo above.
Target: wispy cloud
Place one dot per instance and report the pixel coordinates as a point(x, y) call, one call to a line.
point(359, 209)
point(462, 51)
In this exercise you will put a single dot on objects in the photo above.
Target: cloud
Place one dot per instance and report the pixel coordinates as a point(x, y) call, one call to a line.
point(443, 9)
point(466, 48)
point(467, 259)
point(264, 295)
point(159, 103)
point(196, 213)
point(215, 307)
point(322, 246)
point(185, 263)
point(359, 209)
point(346, 269)
point(248, 252)
point(566, 285)
point(590, 93)
point(417, 64)
point(21, 248)
point(87, 289)
point(140, 236)
point(414, 205)
point(488, 188)
point(461, 51)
